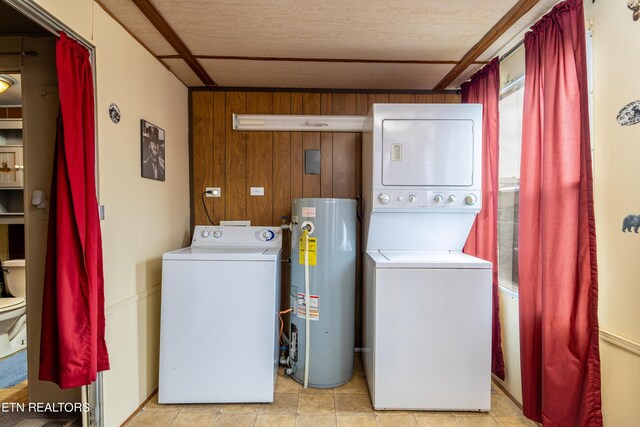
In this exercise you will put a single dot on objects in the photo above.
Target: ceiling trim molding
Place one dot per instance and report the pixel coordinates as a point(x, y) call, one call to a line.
point(506, 22)
point(156, 19)
point(337, 60)
point(329, 90)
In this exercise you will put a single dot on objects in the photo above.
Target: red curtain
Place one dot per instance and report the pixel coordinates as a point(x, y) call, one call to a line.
point(557, 249)
point(72, 345)
point(484, 88)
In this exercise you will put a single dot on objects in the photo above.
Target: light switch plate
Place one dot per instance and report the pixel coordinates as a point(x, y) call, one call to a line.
point(213, 192)
point(257, 191)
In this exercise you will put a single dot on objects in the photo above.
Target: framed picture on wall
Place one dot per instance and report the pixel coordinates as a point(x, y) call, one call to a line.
point(152, 151)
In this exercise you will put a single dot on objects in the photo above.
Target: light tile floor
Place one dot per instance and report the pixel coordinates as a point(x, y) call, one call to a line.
point(345, 406)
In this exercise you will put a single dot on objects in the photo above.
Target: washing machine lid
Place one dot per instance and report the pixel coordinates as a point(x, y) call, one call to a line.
point(11, 303)
point(224, 253)
point(425, 259)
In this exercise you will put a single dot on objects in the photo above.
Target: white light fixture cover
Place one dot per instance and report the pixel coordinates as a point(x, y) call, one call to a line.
point(303, 123)
point(6, 82)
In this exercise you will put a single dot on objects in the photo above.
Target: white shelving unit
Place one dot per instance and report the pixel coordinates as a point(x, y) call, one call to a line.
point(11, 172)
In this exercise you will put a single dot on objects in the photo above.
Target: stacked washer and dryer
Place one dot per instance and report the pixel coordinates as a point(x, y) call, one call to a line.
point(427, 306)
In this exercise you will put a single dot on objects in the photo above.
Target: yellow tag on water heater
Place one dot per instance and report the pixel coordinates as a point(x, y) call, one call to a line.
point(312, 250)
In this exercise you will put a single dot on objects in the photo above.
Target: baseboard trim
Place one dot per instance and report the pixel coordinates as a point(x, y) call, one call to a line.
point(621, 342)
point(495, 381)
point(137, 411)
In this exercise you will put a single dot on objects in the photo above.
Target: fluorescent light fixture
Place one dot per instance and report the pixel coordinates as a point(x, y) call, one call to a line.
point(269, 122)
point(6, 82)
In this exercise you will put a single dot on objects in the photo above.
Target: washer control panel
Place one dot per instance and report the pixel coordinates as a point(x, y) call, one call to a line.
point(416, 199)
point(211, 235)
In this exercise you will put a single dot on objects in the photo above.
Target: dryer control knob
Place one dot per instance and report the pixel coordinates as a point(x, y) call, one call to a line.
point(438, 198)
point(217, 234)
point(451, 198)
point(383, 198)
point(412, 198)
point(400, 198)
point(205, 233)
point(470, 199)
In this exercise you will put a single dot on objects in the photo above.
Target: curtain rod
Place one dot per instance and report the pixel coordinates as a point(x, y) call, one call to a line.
point(23, 53)
point(588, 27)
point(512, 50)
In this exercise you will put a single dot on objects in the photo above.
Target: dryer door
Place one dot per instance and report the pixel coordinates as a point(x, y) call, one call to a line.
point(427, 153)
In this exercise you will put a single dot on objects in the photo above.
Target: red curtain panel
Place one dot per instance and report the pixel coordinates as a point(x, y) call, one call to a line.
point(558, 288)
point(72, 345)
point(484, 88)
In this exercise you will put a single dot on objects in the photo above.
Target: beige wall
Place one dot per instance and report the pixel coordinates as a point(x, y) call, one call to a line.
point(617, 194)
point(144, 218)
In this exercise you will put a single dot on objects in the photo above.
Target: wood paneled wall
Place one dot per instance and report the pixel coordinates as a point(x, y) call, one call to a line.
point(236, 161)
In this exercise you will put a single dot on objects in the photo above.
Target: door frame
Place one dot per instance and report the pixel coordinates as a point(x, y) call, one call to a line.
point(91, 394)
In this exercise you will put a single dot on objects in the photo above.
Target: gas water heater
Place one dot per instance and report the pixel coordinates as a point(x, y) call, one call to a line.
point(323, 275)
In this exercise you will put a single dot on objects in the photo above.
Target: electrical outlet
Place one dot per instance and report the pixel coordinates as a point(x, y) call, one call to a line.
point(213, 192)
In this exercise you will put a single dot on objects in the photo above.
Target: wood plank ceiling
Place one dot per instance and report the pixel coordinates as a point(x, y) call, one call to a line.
point(357, 44)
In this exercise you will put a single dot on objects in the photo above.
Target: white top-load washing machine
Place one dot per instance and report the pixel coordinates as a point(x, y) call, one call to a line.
point(427, 306)
point(219, 317)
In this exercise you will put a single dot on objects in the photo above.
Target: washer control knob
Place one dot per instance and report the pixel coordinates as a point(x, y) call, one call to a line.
point(438, 198)
point(412, 198)
point(205, 233)
point(470, 199)
point(400, 198)
point(217, 234)
point(451, 198)
point(384, 198)
point(268, 235)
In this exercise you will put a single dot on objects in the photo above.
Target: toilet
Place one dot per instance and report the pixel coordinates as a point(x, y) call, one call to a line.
point(13, 309)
